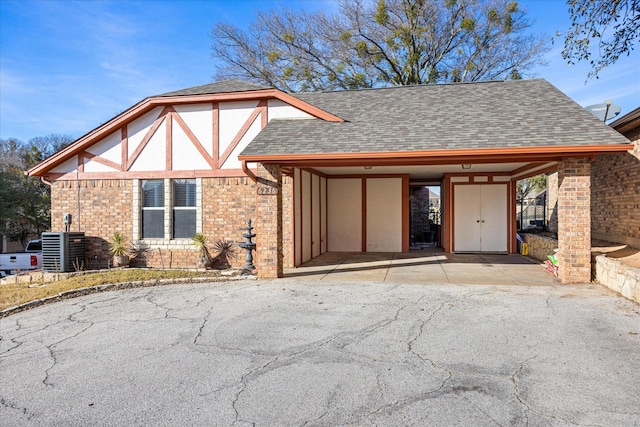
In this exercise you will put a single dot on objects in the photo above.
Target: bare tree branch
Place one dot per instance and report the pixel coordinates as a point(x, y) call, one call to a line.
point(381, 43)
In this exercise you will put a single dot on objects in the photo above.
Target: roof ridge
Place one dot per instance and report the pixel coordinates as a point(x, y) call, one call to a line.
point(221, 86)
point(417, 85)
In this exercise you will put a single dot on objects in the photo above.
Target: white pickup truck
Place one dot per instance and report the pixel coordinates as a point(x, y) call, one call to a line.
point(30, 259)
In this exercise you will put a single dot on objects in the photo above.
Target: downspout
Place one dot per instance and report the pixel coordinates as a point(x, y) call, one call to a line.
point(249, 172)
point(78, 184)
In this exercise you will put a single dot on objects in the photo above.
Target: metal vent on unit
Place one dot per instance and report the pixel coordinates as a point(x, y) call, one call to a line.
point(60, 250)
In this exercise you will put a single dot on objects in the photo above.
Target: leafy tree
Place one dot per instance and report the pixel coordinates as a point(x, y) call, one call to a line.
point(524, 187)
point(614, 25)
point(25, 201)
point(391, 42)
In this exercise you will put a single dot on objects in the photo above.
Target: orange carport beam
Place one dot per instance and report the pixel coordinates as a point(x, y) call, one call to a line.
point(476, 155)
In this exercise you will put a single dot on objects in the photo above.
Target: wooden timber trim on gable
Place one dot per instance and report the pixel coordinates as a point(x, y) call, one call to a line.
point(100, 160)
point(168, 116)
point(121, 121)
point(260, 109)
point(147, 137)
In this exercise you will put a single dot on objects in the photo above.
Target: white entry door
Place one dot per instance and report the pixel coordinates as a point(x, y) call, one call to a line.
point(480, 218)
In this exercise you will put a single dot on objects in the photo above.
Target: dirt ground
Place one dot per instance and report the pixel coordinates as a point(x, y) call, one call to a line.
point(626, 254)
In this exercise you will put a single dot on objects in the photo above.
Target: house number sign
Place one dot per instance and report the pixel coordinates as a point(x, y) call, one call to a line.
point(267, 191)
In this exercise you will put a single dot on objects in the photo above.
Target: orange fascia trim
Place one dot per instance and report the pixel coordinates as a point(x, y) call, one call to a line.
point(148, 104)
point(247, 96)
point(306, 107)
point(479, 155)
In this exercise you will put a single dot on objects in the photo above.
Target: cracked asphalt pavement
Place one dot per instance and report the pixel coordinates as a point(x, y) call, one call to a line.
point(303, 353)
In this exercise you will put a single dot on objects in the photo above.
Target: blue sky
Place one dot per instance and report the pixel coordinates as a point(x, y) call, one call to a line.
point(68, 66)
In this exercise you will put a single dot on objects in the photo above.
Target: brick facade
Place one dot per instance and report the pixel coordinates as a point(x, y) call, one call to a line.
point(615, 195)
point(102, 207)
point(99, 208)
point(269, 254)
point(574, 222)
point(615, 200)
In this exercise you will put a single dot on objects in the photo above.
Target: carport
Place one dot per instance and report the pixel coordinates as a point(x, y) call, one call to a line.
point(368, 208)
point(351, 176)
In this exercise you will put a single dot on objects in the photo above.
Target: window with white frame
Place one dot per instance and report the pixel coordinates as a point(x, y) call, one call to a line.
point(152, 209)
point(169, 209)
point(184, 208)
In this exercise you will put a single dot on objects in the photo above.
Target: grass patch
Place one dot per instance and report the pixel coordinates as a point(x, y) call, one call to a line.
point(12, 295)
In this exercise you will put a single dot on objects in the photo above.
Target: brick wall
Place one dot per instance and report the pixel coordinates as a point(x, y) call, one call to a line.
point(99, 208)
point(227, 204)
point(615, 195)
point(105, 207)
point(574, 224)
point(269, 256)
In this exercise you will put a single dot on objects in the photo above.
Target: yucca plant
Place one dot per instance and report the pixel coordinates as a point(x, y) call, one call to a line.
point(226, 250)
point(119, 248)
point(204, 257)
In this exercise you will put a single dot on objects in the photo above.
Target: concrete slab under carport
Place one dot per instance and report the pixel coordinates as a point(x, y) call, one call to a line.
point(424, 266)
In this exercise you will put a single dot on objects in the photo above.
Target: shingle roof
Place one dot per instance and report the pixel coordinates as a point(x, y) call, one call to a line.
point(499, 114)
point(224, 86)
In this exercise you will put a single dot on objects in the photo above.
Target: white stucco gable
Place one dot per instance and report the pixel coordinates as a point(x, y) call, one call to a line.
point(197, 138)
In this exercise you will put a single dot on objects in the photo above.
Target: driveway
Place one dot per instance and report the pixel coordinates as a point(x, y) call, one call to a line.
point(424, 266)
point(299, 352)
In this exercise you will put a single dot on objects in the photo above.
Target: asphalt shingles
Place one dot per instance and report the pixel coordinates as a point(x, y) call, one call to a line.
point(499, 114)
point(224, 86)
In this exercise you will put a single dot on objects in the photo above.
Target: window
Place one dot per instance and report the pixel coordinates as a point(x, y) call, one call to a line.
point(184, 208)
point(153, 209)
point(168, 208)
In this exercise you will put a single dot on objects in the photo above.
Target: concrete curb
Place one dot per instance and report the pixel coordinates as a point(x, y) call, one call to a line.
point(74, 293)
